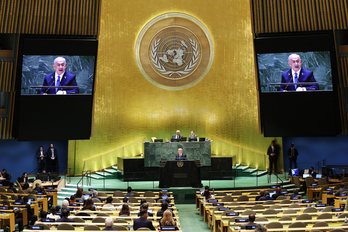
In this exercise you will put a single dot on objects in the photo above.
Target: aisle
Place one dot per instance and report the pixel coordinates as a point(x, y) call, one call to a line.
point(190, 220)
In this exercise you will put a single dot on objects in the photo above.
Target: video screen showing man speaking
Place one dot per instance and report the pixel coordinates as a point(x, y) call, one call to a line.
point(311, 70)
point(57, 75)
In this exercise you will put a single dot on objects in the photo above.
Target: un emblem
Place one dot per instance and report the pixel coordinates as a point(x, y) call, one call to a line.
point(174, 51)
point(180, 164)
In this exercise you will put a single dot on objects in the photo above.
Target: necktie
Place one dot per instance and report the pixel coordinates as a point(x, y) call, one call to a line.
point(296, 80)
point(57, 83)
point(179, 157)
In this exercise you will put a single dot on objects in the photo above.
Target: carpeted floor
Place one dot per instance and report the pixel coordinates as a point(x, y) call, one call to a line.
point(190, 220)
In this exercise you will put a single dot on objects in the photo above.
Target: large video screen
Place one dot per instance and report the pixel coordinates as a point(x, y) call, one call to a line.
point(275, 71)
point(297, 74)
point(40, 74)
point(54, 87)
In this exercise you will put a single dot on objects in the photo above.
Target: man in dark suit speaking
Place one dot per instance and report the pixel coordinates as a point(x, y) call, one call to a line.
point(59, 78)
point(297, 74)
point(180, 155)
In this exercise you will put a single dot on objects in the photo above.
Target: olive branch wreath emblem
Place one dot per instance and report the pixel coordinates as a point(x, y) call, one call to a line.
point(156, 62)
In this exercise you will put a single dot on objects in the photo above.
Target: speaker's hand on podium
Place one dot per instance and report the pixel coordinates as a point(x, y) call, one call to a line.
point(61, 92)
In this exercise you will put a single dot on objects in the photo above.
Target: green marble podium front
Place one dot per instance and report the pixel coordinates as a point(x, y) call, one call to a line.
point(156, 152)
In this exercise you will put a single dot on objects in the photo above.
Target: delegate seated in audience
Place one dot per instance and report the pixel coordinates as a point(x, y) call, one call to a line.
point(262, 193)
point(20, 199)
point(145, 206)
point(160, 196)
point(266, 197)
point(341, 190)
point(206, 194)
point(142, 221)
point(125, 211)
point(10, 186)
point(167, 219)
point(343, 175)
point(65, 215)
point(26, 189)
point(72, 200)
point(5, 174)
point(43, 215)
point(278, 193)
point(312, 172)
point(30, 212)
point(109, 222)
point(37, 187)
point(129, 192)
point(18, 220)
point(79, 194)
point(125, 200)
point(65, 204)
point(24, 178)
point(109, 204)
point(42, 190)
point(53, 214)
point(164, 207)
point(251, 222)
point(89, 205)
point(95, 195)
point(295, 193)
point(260, 228)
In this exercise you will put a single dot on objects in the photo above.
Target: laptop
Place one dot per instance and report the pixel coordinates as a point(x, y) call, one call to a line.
point(158, 141)
point(318, 176)
point(271, 194)
point(305, 176)
point(183, 139)
point(201, 139)
point(295, 172)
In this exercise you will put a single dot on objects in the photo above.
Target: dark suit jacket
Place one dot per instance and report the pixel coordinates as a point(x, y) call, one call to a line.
point(64, 219)
point(183, 157)
point(305, 76)
point(38, 153)
point(68, 79)
point(49, 153)
point(295, 153)
point(174, 136)
point(276, 152)
point(142, 222)
point(193, 137)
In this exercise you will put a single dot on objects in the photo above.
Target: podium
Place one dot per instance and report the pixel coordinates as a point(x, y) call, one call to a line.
point(180, 174)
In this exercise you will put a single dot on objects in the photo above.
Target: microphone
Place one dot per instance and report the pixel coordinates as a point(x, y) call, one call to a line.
point(49, 88)
point(289, 82)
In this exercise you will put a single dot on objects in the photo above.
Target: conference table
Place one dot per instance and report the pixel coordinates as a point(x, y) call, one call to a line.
point(10, 217)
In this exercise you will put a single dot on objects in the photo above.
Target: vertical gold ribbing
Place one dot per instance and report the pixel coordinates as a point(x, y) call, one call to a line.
point(261, 16)
point(5, 76)
point(279, 16)
point(301, 16)
point(79, 17)
point(85, 12)
point(96, 18)
point(1, 75)
point(16, 17)
point(328, 15)
point(338, 13)
point(2, 15)
point(320, 26)
point(344, 13)
point(55, 10)
point(273, 19)
point(335, 16)
point(313, 16)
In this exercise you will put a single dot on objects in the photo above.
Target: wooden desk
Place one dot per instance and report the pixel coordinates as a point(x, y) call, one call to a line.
point(10, 217)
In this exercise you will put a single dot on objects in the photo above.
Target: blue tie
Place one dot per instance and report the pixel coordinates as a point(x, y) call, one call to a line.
point(57, 84)
point(296, 80)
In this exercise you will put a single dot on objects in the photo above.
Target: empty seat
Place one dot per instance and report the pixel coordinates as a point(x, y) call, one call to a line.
point(304, 216)
point(226, 211)
point(275, 207)
point(65, 226)
point(101, 194)
point(343, 215)
point(258, 207)
point(321, 224)
point(149, 194)
point(289, 211)
point(248, 212)
point(328, 209)
point(281, 198)
point(76, 219)
point(118, 193)
point(285, 201)
point(119, 227)
point(91, 227)
point(269, 202)
point(236, 193)
point(269, 212)
point(150, 200)
point(298, 225)
point(325, 216)
point(310, 210)
point(227, 199)
point(285, 218)
point(103, 215)
point(133, 200)
point(116, 200)
point(292, 206)
point(44, 226)
point(220, 194)
point(118, 220)
point(243, 198)
point(274, 225)
point(261, 219)
point(143, 228)
point(98, 220)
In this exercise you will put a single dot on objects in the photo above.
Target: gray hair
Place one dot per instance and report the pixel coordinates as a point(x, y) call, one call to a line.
point(59, 58)
point(260, 228)
point(109, 222)
point(180, 149)
point(293, 55)
point(95, 193)
point(65, 203)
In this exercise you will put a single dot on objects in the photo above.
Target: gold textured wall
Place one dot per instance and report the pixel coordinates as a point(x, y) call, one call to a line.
point(128, 107)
